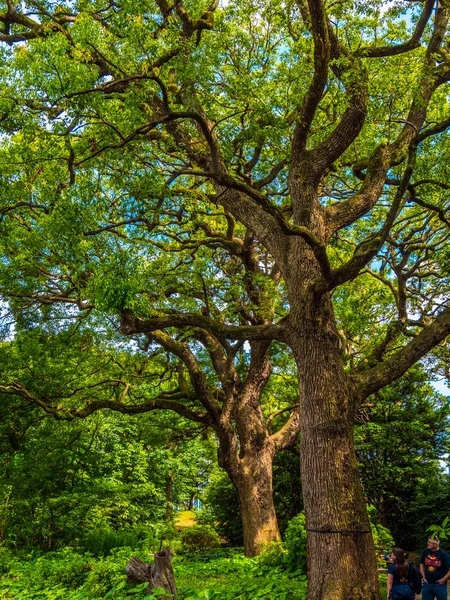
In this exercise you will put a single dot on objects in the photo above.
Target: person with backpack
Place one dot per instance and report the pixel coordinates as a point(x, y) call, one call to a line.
point(399, 585)
point(435, 569)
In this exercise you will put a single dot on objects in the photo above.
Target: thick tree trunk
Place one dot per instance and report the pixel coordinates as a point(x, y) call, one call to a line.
point(254, 486)
point(341, 555)
point(341, 562)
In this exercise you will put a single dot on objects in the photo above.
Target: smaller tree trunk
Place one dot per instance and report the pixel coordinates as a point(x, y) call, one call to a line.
point(253, 482)
point(158, 575)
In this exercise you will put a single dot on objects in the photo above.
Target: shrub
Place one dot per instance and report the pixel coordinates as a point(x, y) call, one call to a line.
point(107, 573)
point(101, 543)
point(65, 567)
point(441, 531)
point(383, 542)
point(161, 534)
point(200, 537)
point(273, 555)
point(220, 508)
point(295, 542)
point(382, 537)
point(6, 560)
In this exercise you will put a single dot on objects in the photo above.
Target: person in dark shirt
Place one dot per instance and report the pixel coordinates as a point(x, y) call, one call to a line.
point(398, 586)
point(435, 569)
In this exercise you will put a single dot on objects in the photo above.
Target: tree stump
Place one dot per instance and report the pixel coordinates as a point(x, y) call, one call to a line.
point(158, 575)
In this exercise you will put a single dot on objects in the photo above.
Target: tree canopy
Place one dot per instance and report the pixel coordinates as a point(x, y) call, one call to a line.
point(217, 182)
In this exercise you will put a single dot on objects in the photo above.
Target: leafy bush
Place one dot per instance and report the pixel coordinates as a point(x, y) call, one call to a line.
point(273, 555)
point(101, 543)
point(382, 537)
point(200, 537)
point(106, 573)
point(161, 534)
point(295, 542)
point(65, 567)
point(228, 575)
point(220, 502)
point(6, 560)
point(441, 531)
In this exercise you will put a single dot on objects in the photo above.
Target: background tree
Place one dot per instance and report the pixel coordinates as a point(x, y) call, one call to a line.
point(401, 438)
point(293, 118)
point(215, 387)
point(94, 483)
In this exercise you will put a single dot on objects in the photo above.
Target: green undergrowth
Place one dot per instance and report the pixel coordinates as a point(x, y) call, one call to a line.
point(228, 575)
point(220, 574)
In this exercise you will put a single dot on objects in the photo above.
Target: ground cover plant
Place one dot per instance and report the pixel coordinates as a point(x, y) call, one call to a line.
point(219, 574)
point(222, 574)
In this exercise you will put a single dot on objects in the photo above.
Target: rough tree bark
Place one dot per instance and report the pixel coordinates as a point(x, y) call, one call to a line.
point(254, 487)
point(341, 554)
point(159, 574)
point(251, 474)
point(246, 453)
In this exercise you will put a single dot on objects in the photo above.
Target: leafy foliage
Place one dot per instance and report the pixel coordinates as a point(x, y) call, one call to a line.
point(273, 555)
point(382, 537)
point(200, 537)
point(401, 436)
point(220, 574)
point(97, 484)
point(295, 542)
point(441, 531)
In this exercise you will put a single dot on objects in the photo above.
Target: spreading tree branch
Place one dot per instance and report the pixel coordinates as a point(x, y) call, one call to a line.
point(131, 325)
point(411, 44)
point(161, 402)
point(399, 362)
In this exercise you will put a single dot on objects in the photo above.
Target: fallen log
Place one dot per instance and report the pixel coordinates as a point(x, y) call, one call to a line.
point(158, 575)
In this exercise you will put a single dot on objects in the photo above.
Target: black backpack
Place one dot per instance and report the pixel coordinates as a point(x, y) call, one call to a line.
point(415, 578)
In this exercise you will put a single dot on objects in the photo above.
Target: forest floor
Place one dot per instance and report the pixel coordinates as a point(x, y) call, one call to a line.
point(221, 574)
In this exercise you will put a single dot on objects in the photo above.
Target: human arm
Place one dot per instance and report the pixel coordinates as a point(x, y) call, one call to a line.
point(389, 585)
point(390, 581)
point(422, 572)
point(422, 565)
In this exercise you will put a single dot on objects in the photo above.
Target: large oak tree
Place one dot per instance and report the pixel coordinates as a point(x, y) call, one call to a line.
point(320, 127)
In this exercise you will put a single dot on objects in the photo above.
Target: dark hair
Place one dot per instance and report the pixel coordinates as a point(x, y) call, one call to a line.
point(401, 564)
